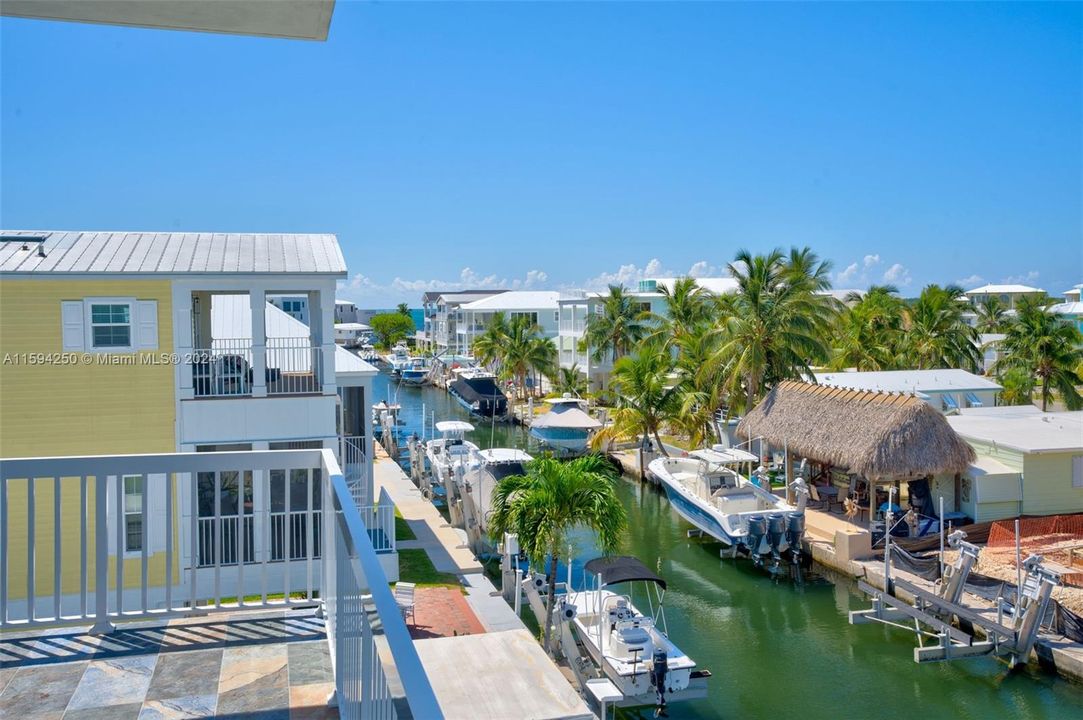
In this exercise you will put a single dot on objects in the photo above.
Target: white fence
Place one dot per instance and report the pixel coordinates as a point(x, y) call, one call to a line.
point(107, 539)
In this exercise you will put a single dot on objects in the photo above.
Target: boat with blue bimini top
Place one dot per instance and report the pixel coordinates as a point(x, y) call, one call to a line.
point(476, 390)
point(706, 490)
point(415, 372)
point(630, 648)
point(567, 427)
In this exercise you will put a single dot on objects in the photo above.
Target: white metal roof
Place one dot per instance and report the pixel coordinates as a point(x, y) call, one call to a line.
point(718, 286)
point(352, 326)
point(169, 253)
point(516, 300)
point(231, 317)
point(909, 381)
point(1067, 308)
point(1005, 289)
point(301, 19)
point(343, 302)
point(1025, 428)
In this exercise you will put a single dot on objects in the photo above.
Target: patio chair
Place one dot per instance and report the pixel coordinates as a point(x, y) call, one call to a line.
point(404, 596)
point(814, 495)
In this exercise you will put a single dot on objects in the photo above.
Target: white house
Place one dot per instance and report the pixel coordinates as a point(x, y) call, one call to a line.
point(576, 306)
point(442, 314)
point(946, 390)
point(1071, 310)
point(537, 306)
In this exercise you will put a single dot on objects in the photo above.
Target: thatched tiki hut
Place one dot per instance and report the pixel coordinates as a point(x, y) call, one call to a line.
point(883, 437)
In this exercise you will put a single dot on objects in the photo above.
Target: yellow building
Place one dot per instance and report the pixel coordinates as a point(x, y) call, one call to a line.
point(108, 346)
point(1029, 462)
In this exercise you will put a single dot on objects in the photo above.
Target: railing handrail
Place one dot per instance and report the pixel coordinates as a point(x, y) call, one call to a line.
point(418, 690)
point(75, 466)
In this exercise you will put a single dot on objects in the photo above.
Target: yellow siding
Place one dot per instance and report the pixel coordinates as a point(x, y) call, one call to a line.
point(1047, 485)
point(81, 409)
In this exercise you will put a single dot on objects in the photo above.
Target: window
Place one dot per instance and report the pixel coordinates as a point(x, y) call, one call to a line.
point(133, 513)
point(531, 317)
point(110, 325)
point(1077, 471)
point(556, 316)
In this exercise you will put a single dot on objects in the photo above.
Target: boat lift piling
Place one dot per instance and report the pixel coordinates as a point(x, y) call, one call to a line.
point(937, 610)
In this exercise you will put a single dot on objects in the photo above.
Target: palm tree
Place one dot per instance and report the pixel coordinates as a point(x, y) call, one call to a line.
point(868, 334)
point(549, 501)
point(700, 392)
point(402, 309)
point(568, 381)
point(1049, 349)
point(524, 350)
point(687, 307)
point(775, 327)
point(992, 315)
point(1018, 387)
point(488, 346)
point(936, 335)
point(646, 394)
point(615, 330)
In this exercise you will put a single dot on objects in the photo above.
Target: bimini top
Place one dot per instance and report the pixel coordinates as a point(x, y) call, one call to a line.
point(450, 426)
point(620, 569)
point(726, 456)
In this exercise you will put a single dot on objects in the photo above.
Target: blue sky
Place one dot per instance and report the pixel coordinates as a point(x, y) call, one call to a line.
point(564, 145)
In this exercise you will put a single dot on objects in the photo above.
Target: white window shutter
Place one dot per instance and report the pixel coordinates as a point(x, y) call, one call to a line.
point(73, 339)
point(146, 325)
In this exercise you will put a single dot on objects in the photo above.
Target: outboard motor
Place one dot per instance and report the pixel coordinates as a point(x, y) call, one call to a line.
point(776, 533)
point(795, 530)
point(659, 670)
point(757, 537)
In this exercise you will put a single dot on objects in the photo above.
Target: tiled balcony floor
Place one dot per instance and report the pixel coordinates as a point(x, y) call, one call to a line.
point(249, 664)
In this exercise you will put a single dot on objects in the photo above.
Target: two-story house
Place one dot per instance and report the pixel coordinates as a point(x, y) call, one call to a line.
point(577, 306)
point(538, 307)
point(133, 343)
point(442, 314)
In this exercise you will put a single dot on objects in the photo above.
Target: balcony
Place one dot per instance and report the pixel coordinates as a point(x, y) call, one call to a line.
point(293, 367)
point(234, 582)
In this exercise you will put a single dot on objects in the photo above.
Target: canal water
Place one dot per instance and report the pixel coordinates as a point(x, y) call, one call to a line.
point(778, 650)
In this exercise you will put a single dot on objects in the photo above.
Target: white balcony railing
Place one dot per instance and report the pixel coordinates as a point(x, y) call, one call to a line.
point(108, 539)
point(226, 369)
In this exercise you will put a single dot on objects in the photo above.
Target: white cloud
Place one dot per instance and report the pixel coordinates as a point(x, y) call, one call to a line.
point(857, 273)
point(704, 269)
point(973, 281)
point(897, 274)
point(1030, 277)
point(846, 275)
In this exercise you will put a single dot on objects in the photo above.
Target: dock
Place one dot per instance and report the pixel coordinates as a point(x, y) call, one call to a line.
point(483, 662)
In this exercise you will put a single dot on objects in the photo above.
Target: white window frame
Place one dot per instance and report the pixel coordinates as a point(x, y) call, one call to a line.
point(88, 319)
point(126, 513)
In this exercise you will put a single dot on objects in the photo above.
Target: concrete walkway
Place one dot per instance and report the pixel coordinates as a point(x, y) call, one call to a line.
point(443, 544)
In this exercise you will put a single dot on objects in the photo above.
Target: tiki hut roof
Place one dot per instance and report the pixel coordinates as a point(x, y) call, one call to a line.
point(879, 435)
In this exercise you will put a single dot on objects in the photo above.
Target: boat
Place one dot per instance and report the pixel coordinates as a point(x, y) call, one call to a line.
point(567, 427)
point(476, 390)
point(398, 358)
point(706, 491)
point(632, 649)
point(415, 372)
point(451, 451)
point(367, 352)
point(480, 478)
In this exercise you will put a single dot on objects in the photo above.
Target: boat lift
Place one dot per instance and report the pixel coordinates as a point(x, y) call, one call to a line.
point(933, 613)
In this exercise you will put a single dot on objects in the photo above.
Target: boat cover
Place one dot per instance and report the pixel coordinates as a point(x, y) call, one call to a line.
point(620, 569)
point(571, 417)
point(445, 426)
point(724, 457)
point(478, 389)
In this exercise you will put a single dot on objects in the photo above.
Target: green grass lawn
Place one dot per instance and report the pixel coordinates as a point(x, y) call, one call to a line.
point(416, 567)
point(403, 531)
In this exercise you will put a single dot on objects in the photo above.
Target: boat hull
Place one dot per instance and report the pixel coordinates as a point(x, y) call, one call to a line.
point(697, 515)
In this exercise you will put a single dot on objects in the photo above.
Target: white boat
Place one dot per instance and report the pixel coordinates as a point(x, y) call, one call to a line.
point(631, 648)
point(451, 451)
point(706, 490)
point(415, 372)
point(481, 478)
point(398, 358)
point(567, 427)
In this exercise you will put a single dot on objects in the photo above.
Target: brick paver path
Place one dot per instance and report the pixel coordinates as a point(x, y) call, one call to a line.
point(442, 612)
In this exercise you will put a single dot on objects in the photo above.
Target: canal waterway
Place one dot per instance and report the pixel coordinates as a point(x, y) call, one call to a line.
point(778, 650)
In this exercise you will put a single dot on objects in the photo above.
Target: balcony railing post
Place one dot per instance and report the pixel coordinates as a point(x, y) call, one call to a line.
point(102, 625)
